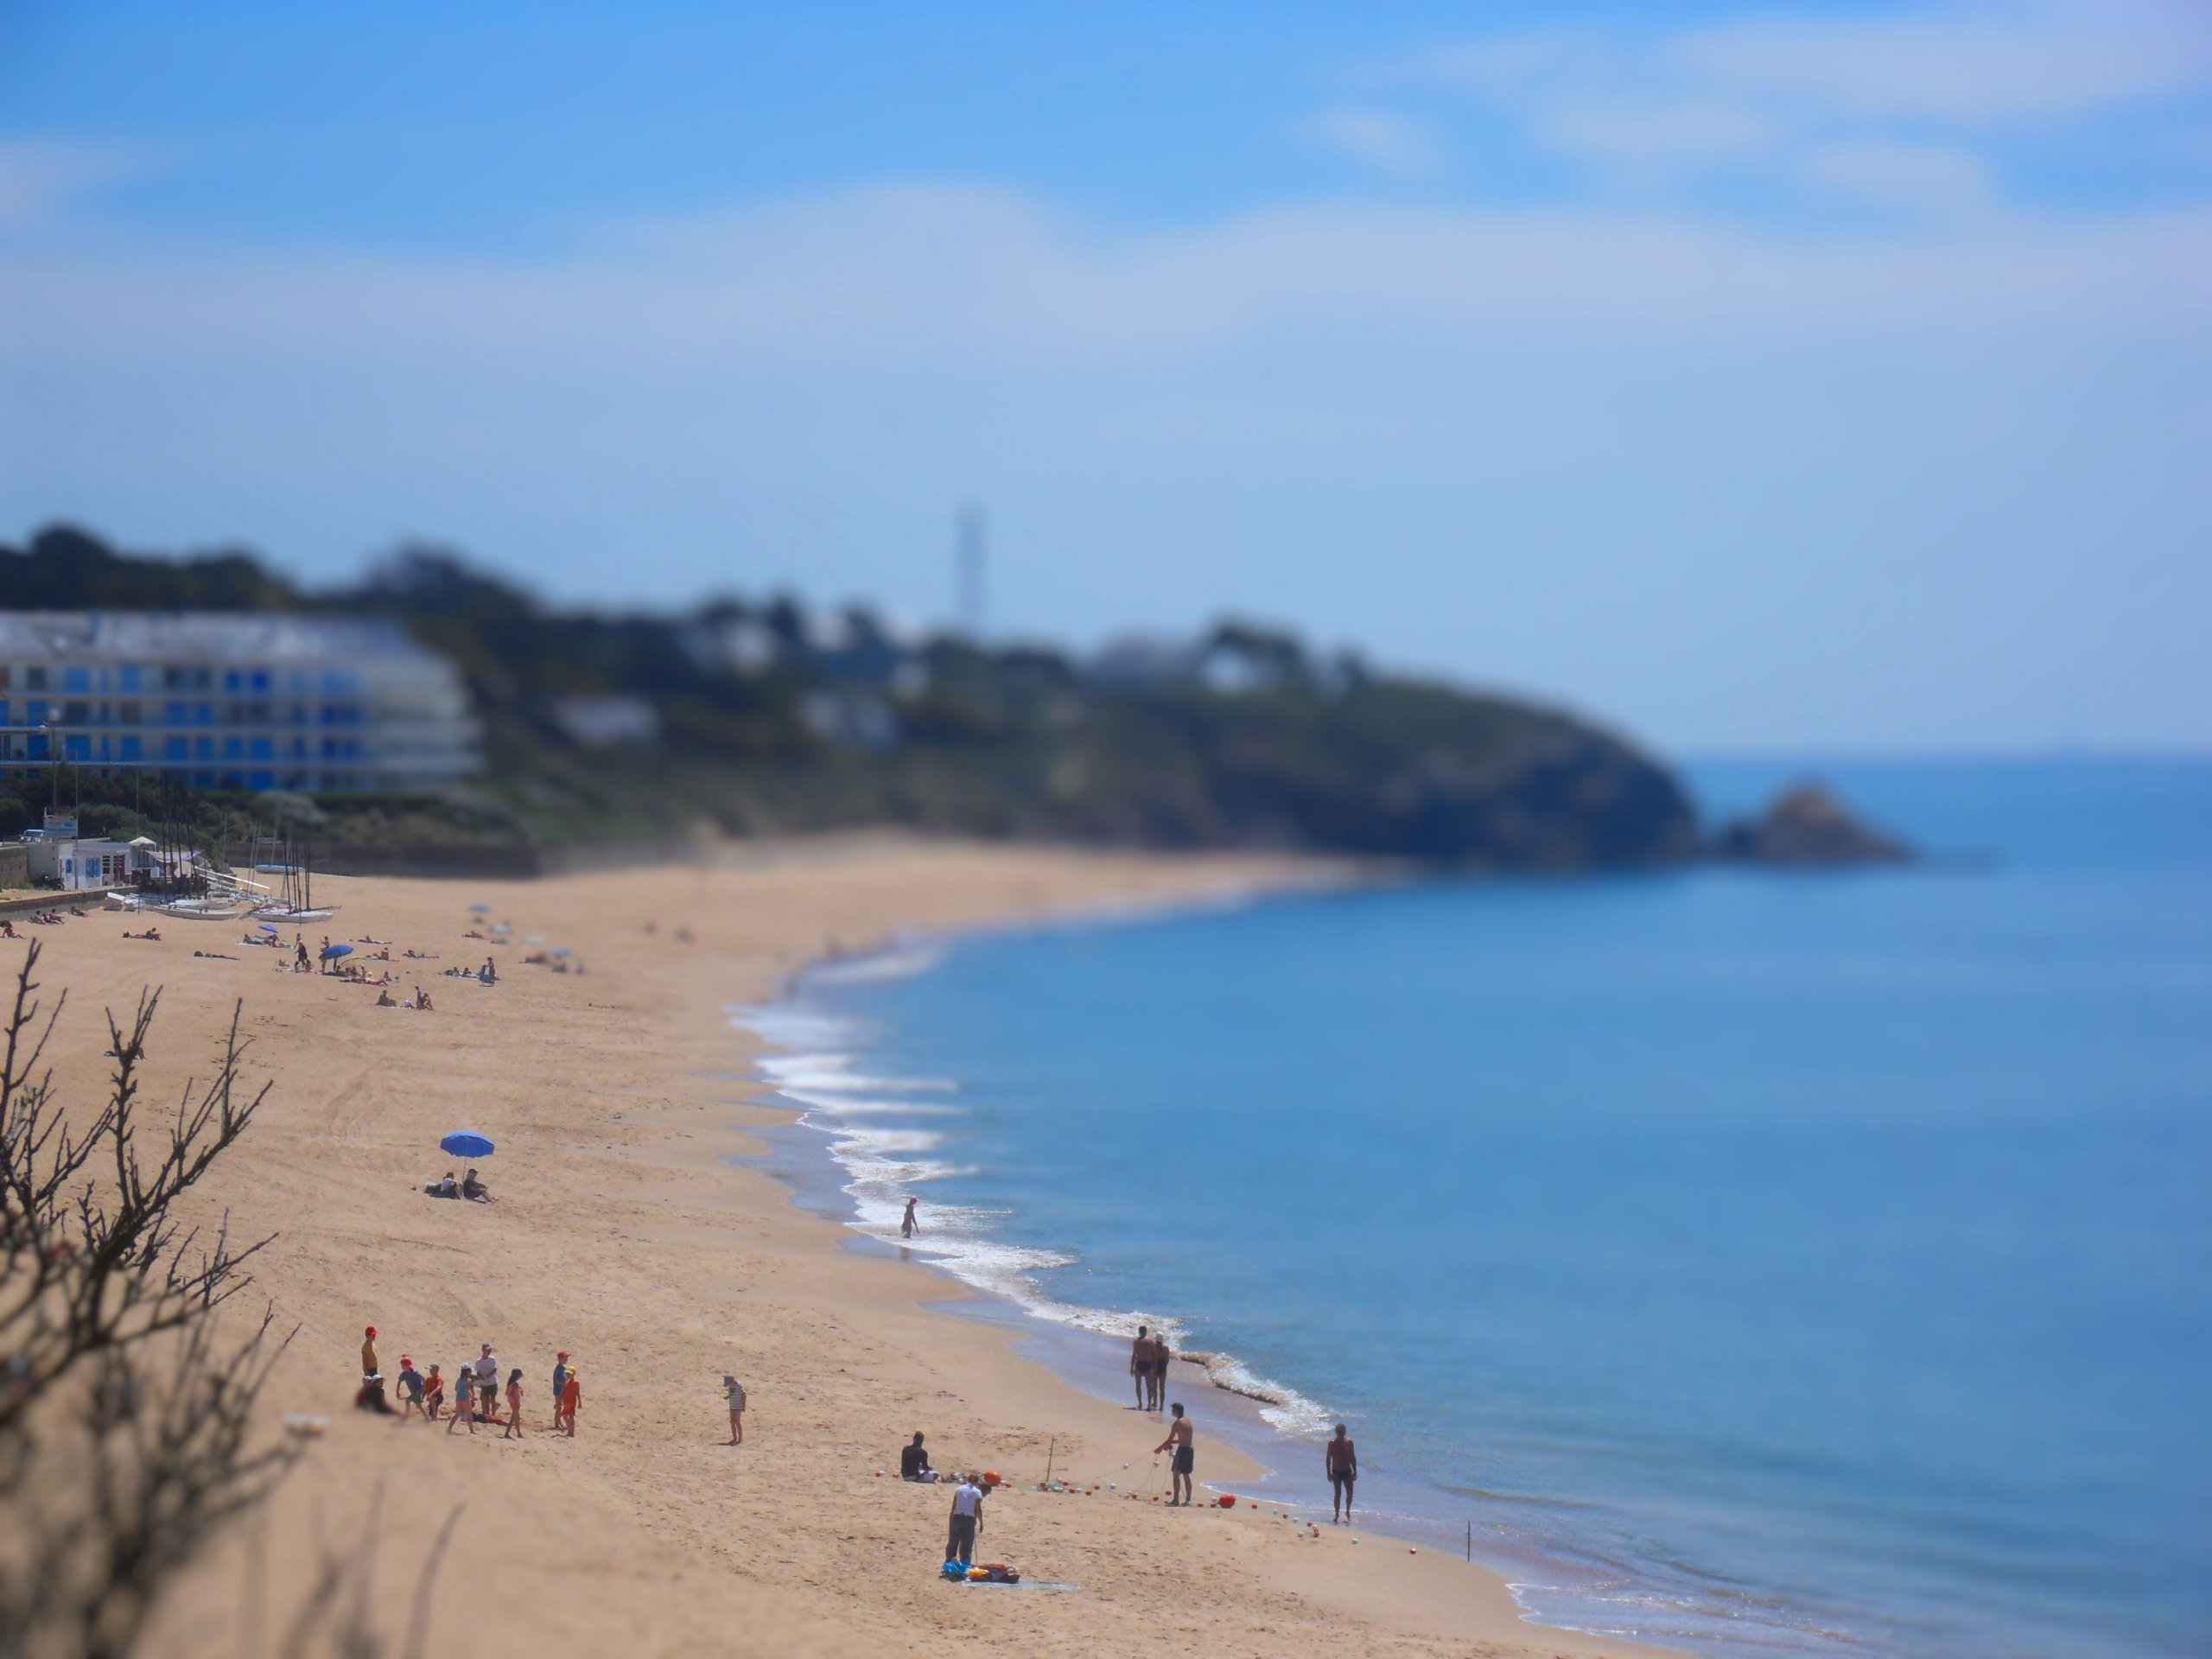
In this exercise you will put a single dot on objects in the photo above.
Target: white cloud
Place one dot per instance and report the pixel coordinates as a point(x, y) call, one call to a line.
point(40, 179)
point(1654, 134)
point(1387, 142)
point(1914, 178)
point(1835, 102)
point(1972, 64)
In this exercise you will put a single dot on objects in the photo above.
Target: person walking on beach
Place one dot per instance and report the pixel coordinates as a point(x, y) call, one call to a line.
point(560, 1382)
point(369, 1351)
point(908, 1225)
point(734, 1391)
point(1141, 1367)
point(1160, 1355)
point(514, 1405)
point(572, 1395)
point(410, 1386)
point(967, 1521)
point(1342, 1459)
point(1185, 1456)
point(464, 1406)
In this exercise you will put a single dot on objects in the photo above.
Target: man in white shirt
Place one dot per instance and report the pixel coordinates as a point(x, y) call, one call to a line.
point(488, 1383)
point(967, 1521)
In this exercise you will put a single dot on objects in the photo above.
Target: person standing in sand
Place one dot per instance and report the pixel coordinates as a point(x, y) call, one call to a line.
point(908, 1225)
point(369, 1365)
point(1342, 1460)
point(487, 1384)
point(1160, 1355)
point(1141, 1367)
point(514, 1405)
point(1186, 1455)
point(572, 1395)
point(967, 1521)
point(734, 1391)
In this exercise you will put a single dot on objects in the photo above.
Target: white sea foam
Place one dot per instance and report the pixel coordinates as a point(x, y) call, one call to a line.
point(901, 961)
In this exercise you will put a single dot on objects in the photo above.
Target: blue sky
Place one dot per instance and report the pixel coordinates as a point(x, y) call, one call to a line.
point(1759, 375)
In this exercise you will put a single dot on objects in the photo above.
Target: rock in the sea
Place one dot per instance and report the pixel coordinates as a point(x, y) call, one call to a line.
point(1809, 828)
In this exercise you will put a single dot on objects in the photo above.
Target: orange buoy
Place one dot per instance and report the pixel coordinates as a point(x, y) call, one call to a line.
point(1229, 1500)
point(990, 1477)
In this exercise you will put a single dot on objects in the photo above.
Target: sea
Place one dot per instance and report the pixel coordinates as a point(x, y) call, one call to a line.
point(1756, 1261)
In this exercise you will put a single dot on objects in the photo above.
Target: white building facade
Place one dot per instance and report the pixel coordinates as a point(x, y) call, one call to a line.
point(232, 701)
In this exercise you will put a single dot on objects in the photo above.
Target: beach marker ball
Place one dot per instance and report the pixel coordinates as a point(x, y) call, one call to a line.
point(990, 1477)
point(1229, 1500)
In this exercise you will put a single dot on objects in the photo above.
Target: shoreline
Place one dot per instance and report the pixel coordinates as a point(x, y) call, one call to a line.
point(624, 1231)
point(1258, 1419)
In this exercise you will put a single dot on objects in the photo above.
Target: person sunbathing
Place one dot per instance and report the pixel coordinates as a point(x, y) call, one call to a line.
point(7, 930)
point(447, 1188)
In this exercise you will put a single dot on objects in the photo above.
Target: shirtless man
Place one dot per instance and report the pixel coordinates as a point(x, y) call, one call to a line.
point(908, 1225)
point(1160, 1355)
point(1141, 1367)
point(1342, 1460)
point(1179, 1441)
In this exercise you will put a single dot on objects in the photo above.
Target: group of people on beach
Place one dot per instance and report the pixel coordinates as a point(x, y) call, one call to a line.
point(1149, 1357)
point(476, 1391)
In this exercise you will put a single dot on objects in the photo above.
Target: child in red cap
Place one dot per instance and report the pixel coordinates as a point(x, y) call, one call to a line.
point(369, 1367)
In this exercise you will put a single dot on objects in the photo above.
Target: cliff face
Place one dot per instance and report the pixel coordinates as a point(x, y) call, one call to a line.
point(1809, 828)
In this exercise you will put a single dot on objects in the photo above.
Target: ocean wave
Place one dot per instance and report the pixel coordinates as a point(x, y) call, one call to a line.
point(904, 960)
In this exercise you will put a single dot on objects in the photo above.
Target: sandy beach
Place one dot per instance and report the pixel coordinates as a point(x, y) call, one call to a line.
point(624, 1232)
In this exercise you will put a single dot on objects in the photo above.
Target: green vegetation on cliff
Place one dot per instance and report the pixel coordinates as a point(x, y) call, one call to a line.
point(757, 718)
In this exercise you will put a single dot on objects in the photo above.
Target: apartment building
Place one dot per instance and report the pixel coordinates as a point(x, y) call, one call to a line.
point(246, 701)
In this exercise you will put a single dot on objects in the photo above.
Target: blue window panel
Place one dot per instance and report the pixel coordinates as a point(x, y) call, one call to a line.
point(40, 749)
point(76, 679)
point(176, 748)
point(259, 681)
point(204, 779)
point(129, 677)
point(107, 747)
point(233, 748)
point(203, 748)
point(299, 748)
point(36, 715)
point(232, 679)
point(260, 749)
point(203, 713)
point(261, 780)
point(77, 747)
point(131, 748)
point(176, 714)
point(5, 720)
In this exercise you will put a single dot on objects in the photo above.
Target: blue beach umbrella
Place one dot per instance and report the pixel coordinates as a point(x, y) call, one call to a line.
point(270, 927)
point(465, 1143)
point(331, 951)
